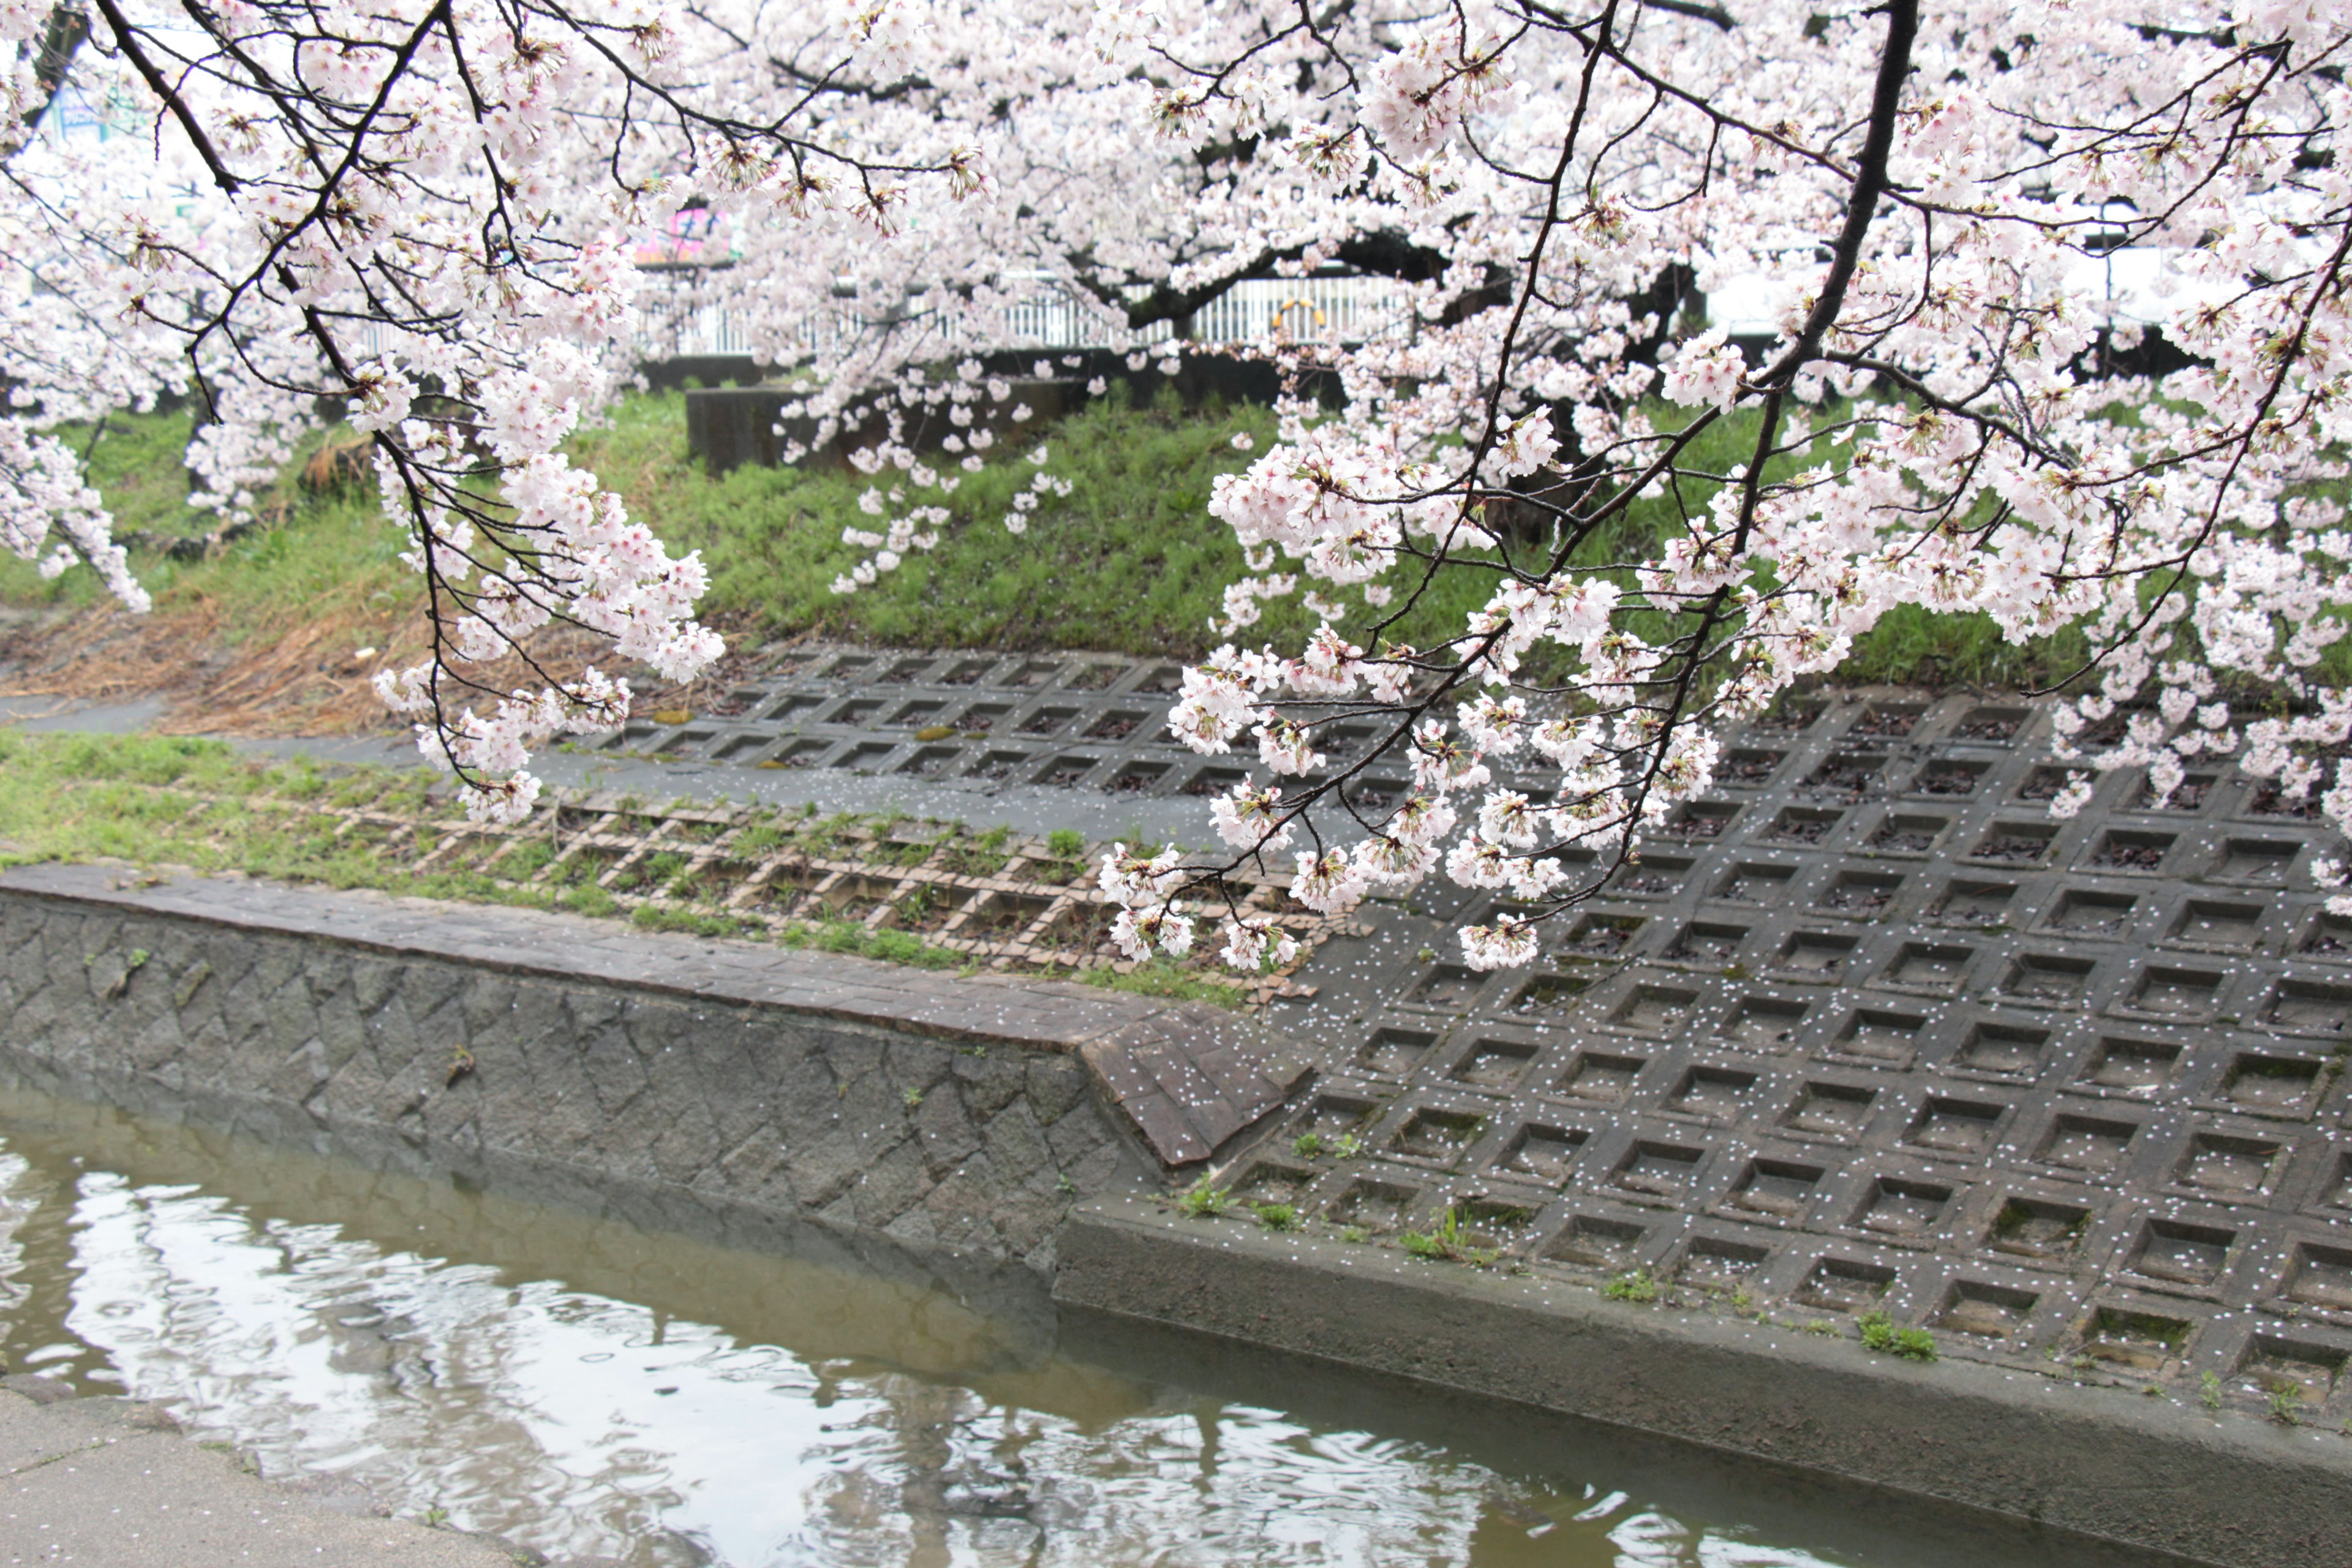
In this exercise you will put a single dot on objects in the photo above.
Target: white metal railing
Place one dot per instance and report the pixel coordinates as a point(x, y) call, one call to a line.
point(1323, 310)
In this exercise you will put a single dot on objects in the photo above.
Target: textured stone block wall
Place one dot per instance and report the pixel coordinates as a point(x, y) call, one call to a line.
point(934, 1142)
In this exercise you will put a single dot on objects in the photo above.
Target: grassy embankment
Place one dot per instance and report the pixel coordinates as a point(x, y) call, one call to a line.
point(1129, 562)
point(172, 801)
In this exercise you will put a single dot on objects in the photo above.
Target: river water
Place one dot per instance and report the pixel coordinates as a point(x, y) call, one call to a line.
point(611, 1396)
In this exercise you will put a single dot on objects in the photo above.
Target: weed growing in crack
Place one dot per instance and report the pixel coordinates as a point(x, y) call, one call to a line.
point(1879, 1334)
point(1635, 1286)
point(1204, 1199)
point(1446, 1244)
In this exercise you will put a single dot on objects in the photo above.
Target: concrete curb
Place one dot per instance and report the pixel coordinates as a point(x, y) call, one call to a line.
point(2146, 1472)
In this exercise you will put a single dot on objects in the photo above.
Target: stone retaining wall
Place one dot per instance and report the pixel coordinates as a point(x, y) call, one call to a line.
point(937, 1111)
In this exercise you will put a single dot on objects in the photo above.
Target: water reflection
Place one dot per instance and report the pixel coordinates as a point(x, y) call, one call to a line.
point(596, 1393)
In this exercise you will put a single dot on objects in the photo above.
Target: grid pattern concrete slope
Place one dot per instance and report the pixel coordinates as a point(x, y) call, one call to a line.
point(1080, 721)
point(1869, 1030)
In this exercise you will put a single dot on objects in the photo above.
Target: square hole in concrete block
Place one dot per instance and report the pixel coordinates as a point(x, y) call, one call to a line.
point(1374, 793)
point(2269, 1085)
point(1791, 714)
point(1901, 1207)
point(1393, 1053)
point(2039, 1228)
point(1842, 1285)
point(967, 672)
point(1005, 915)
point(2082, 912)
point(998, 764)
point(2129, 849)
point(1974, 901)
point(1495, 1226)
point(1116, 726)
point(1543, 1153)
point(1268, 1183)
point(2016, 843)
point(2191, 794)
point(869, 755)
point(741, 748)
point(2269, 799)
point(2262, 861)
point(1034, 673)
point(2141, 1068)
point(1449, 986)
point(793, 707)
point(2048, 977)
point(2335, 1191)
point(1548, 994)
point(2046, 783)
point(1880, 1034)
point(1590, 1242)
point(1699, 820)
point(1706, 942)
point(1137, 778)
point(1601, 936)
point(1983, 1311)
point(1494, 1064)
point(1764, 1023)
point(1815, 955)
point(1717, 1263)
point(1801, 824)
point(2011, 1050)
point(982, 717)
point(1833, 1111)
point(1095, 677)
point(2144, 1342)
point(1715, 1094)
point(1654, 1009)
point(1654, 876)
point(686, 742)
point(1660, 1170)
point(929, 761)
point(2320, 1276)
point(917, 715)
point(2218, 923)
point(1780, 1188)
point(1162, 681)
point(1931, 964)
point(2301, 1372)
point(1860, 892)
point(907, 669)
point(1756, 882)
point(1991, 726)
point(1066, 772)
point(1908, 832)
point(2229, 1164)
point(1048, 720)
point(2172, 992)
point(2180, 1253)
point(2095, 1145)
point(2330, 937)
point(1748, 766)
point(1213, 781)
point(2310, 1008)
point(1328, 1117)
point(1950, 777)
point(1846, 775)
point(856, 710)
point(1950, 1126)
point(1434, 1135)
point(1888, 721)
point(1600, 1077)
point(1375, 1205)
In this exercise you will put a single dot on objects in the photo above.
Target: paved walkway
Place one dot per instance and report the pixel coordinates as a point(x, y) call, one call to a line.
point(107, 1483)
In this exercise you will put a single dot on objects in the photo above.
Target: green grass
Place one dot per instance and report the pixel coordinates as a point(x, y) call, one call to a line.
point(1129, 562)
